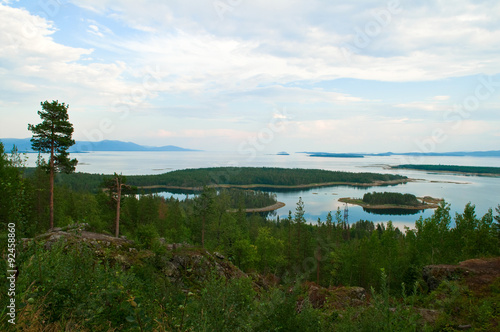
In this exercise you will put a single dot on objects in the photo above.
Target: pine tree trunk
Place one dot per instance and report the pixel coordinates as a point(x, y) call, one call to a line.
point(298, 241)
point(203, 233)
point(318, 261)
point(51, 180)
point(289, 244)
point(118, 203)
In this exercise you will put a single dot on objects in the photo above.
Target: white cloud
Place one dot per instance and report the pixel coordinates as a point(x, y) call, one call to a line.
point(34, 58)
point(424, 106)
point(93, 29)
point(441, 98)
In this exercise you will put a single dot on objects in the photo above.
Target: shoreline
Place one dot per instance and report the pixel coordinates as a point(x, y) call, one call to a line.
point(269, 208)
point(271, 186)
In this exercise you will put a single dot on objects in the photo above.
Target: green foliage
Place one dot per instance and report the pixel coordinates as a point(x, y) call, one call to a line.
point(15, 193)
point(222, 305)
point(375, 198)
point(270, 250)
point(58, 280)
point(53, 135)
point(146, 235)
point(433, 234)
point(287, 311)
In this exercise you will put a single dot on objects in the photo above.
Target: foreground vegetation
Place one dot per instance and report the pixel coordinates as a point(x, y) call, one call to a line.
point(297, 276)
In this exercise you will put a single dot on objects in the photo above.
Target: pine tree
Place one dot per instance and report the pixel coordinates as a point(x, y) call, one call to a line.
point(54, 136)
point(117, 187)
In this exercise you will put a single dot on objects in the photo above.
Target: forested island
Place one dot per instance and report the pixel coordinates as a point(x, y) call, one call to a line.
point(470, 170)
point(236, 177)
point(388, 200)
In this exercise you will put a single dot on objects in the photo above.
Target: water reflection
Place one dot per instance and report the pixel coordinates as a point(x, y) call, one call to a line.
point(392, 211)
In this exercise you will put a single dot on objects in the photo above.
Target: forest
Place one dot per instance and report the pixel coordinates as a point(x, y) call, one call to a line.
point(291, 275)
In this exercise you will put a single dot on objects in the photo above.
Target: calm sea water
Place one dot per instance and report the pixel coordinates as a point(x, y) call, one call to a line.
point(457, 190)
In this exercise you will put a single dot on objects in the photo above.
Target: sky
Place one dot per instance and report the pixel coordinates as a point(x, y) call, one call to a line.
point(258, 76)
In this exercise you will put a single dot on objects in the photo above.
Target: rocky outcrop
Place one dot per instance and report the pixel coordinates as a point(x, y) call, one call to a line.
point(181, 263)
point(190, 264)
point(77, 232)
point(476, 273)
point(334, 297)
point(433, 275)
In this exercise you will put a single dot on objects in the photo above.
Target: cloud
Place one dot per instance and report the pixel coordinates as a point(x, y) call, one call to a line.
point(181, 60)
point(282, 41)
point(424, 106)
point(93, 29)
point(34, 58)
point(441, 98)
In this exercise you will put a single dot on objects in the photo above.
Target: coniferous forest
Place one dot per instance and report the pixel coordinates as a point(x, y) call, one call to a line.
point(203, 264)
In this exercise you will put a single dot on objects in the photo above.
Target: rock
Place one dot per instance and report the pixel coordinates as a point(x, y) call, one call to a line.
point(174, 246)
point(464, 327)
point(219, 255)
point(171, 270)
point(358, 293)
point(335, 297)
point(429, 316)
point(265, 282)
point(122, 259)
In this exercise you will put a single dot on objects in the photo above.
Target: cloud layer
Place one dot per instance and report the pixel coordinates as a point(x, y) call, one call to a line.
point(205, 72)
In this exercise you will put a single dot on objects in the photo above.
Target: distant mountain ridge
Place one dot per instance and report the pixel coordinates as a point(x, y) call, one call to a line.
point(24, 145)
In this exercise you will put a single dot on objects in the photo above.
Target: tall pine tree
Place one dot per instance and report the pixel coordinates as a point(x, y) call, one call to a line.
point(54, 136)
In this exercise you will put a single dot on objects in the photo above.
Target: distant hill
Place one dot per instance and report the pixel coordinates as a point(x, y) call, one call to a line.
point(24, 145)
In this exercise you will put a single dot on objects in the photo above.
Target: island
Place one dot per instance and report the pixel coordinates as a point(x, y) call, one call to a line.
point(467, 170)
point(261, 178)
point(335, 155)
point(390, 200)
